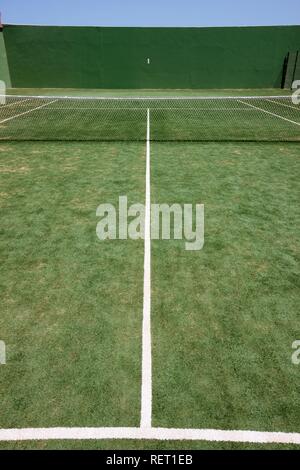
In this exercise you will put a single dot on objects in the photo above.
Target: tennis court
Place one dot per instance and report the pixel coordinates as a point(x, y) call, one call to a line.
point(129, 342)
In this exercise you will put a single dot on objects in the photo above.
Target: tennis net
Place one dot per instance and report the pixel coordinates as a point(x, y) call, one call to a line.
point(256, 118)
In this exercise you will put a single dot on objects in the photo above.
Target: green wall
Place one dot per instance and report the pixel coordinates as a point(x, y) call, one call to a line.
point(86, 57)
point(4, 70)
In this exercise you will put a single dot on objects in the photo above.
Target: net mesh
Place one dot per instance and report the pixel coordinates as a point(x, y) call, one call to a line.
point(267, 118)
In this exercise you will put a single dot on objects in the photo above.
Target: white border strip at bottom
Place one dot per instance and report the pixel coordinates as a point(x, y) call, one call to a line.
point(163, 434)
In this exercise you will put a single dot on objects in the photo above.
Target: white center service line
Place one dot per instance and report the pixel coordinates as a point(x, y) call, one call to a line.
point(285, 105)
point(268, 112)
point(27, 112)
point(146, 399)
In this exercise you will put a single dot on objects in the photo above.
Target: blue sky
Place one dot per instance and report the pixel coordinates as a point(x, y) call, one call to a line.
point(151, 12)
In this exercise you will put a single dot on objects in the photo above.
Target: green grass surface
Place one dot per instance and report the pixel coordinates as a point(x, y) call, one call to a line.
point(224, 318)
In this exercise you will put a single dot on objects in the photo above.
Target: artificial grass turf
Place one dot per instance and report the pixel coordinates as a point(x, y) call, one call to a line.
point(71, 308)
point(224, 318)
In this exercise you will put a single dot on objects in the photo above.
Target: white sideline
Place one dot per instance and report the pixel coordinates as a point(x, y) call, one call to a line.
point(268, 112)
point(162, 434)
point(27, 112)
point(146, 394)
point(285, 105)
